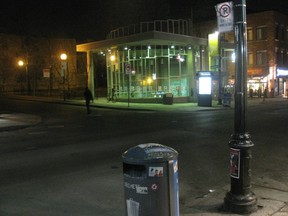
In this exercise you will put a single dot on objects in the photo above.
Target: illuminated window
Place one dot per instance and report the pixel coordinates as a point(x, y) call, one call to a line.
point(250, 59)
point(261, 33)
point(249, 33)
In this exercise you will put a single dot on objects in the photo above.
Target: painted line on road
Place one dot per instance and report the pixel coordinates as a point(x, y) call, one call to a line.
point(55, 126)
point(37, 132)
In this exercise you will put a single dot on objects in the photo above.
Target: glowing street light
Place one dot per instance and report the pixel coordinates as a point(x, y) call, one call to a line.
point(64, 68)
point(63, 56)
point(21, 63)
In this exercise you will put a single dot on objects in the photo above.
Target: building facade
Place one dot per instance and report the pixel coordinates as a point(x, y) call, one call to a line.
point(151, 59)
point(267, 46)
point(33, 66)
point(267, 38)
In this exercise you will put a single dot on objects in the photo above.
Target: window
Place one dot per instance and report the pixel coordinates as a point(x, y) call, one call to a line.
point(280, 57)
point(261, 57)
point(250, 59)
point(277, 30)
point(283, 33)
point(249, 33)
point(261, 33)
point(286, 59)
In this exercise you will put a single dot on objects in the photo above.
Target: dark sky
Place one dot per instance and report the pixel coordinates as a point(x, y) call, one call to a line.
point(92, 19)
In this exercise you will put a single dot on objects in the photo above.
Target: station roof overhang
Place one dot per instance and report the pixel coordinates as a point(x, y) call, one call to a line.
point(147, 38)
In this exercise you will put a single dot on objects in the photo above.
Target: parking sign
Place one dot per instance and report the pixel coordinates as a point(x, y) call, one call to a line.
point(225, 16)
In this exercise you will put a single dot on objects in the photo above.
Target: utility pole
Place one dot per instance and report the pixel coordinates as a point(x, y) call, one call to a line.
point(240, 199)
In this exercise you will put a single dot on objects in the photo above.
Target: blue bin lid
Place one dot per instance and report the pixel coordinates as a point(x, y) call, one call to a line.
point(150, 152)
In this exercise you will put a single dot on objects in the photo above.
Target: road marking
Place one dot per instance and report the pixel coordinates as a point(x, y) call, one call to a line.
point(55, 126)
point(37, 132)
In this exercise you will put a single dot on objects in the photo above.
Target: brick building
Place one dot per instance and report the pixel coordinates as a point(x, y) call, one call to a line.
point(267, 38)
point(267, 41)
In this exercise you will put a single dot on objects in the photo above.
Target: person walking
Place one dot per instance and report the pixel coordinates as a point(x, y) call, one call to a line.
point(88, 97)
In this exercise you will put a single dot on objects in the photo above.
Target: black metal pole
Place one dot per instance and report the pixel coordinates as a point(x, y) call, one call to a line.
point(240, 199)
point(219, 69)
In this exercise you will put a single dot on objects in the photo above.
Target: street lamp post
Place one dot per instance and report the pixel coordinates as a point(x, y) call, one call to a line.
point(219, 69)
point(21, 63)
point(64, 66)
point(240, 199)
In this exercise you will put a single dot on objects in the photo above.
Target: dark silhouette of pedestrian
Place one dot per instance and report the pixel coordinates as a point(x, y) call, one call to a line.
point(113, 93)
point(88, 97)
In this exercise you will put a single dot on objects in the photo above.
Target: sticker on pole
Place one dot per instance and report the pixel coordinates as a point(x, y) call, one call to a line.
point(132, 207)
point(235, 163)
point(154, 187)
point(225, 16)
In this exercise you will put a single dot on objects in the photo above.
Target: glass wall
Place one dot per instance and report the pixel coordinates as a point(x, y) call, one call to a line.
point(149, 71)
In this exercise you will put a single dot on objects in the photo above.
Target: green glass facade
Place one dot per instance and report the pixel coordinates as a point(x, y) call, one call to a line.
point(153, 70)
point(149, 60)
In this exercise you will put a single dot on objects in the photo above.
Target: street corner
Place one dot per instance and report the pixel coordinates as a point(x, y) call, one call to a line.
point(12, 121)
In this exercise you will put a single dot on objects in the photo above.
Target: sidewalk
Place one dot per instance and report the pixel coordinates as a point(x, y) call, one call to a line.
point(272, 201)
point(13, 121)
point(102, 103)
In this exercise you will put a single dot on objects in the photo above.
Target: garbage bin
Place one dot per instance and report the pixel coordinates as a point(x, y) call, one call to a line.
point(150, 175)
point(168, 98)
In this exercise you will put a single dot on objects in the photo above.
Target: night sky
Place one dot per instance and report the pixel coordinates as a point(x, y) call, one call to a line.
point(93, 19)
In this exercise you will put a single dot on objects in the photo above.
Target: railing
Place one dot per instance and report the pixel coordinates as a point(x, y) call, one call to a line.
point(168, 26)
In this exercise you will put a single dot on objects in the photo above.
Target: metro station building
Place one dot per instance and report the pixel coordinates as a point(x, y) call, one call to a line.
point(148, 60)
point(145, 61)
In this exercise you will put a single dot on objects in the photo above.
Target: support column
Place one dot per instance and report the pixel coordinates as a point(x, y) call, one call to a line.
point(191, 74)
point(90, 72)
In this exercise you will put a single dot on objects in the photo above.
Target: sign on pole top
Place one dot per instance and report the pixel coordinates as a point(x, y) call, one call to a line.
point(225, 16)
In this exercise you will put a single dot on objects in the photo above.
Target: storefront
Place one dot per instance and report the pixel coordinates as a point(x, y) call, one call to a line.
point(282, 81)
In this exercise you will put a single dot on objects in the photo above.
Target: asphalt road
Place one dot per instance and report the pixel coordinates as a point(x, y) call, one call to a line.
point(70, 163)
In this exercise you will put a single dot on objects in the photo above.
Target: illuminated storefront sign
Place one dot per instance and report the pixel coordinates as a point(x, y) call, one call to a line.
point(281, 72)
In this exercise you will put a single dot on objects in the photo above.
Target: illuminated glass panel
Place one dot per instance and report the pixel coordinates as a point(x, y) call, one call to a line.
point(205, 85)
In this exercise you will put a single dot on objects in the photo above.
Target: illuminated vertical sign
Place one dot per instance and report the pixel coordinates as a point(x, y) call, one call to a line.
point(213, 44)
point(205, 83)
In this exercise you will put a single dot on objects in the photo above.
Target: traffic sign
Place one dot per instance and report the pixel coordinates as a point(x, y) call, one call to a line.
point(225, 16)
